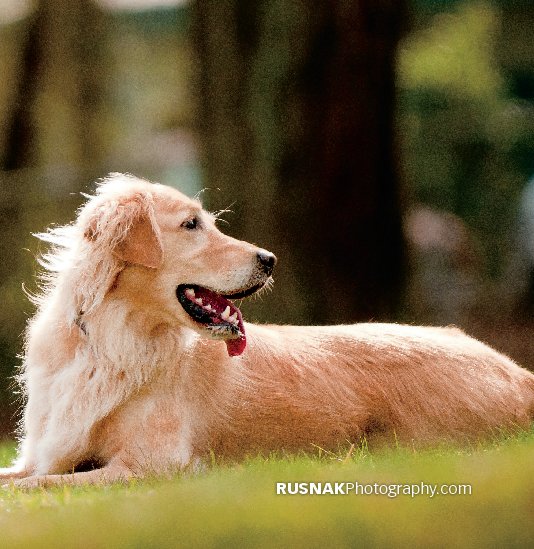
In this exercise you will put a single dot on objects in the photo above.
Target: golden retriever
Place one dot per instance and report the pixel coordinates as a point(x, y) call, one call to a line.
point(138, 360)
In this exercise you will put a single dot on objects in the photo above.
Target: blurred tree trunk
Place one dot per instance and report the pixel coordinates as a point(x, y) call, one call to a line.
point(55, 133)
point(20, 139)
point(296, 115)
point(55, 118)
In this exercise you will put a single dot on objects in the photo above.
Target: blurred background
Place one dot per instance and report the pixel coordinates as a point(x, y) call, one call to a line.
point(384, 150)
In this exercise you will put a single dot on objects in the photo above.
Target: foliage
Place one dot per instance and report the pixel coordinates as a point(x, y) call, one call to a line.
point(464, 133)
point(236, 506)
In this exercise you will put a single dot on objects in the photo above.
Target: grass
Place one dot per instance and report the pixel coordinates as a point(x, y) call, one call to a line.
point(236, 506)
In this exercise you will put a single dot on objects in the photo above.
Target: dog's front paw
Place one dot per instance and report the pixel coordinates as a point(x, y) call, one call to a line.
point(8, 474)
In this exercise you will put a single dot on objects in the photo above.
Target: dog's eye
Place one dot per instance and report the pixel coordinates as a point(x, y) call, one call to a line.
point(191, 223)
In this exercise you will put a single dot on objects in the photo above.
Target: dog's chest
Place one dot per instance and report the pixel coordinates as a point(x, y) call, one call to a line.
point(147, 430)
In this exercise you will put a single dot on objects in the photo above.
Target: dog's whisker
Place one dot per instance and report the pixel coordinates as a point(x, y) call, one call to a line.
point(201, 192)
point(218, 213)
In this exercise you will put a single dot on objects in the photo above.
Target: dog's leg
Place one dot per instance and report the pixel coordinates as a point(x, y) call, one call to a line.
point(12, 473)
point(105, 475)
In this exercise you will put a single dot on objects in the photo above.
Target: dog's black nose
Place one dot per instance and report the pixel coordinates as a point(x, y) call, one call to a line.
point(267, 261)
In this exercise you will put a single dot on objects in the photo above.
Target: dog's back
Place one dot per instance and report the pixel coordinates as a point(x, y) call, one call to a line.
point(385, 382)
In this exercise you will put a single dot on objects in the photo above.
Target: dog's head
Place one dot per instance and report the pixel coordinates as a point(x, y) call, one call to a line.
point(170, 259)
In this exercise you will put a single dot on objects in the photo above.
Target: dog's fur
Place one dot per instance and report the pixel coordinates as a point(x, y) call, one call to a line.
point(116, 371)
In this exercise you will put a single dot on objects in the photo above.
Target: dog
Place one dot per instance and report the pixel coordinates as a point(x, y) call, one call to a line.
point(137, 360)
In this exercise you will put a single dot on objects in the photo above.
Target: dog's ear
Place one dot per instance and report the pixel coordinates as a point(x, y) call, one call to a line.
point(142, 244)
point(128, 229)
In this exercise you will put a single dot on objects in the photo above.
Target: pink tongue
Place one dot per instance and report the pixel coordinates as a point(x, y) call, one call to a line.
point(234, 346)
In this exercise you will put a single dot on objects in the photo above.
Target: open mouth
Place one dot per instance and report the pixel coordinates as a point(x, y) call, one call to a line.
point(216, 313)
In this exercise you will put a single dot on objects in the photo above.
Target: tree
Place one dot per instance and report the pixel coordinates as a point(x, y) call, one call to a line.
point(54, 122)
point(58, 102)
point(296, 118)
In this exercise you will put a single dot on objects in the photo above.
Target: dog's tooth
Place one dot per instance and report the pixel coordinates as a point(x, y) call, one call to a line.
point(207, 307)
point(190, 293)
point(225, 315)
point(233, 318)
point(199, 301)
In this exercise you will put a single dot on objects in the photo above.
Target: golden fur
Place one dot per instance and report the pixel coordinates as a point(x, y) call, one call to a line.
point(116, 371)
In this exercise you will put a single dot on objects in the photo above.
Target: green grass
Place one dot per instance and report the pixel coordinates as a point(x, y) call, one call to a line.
point(236, 506)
